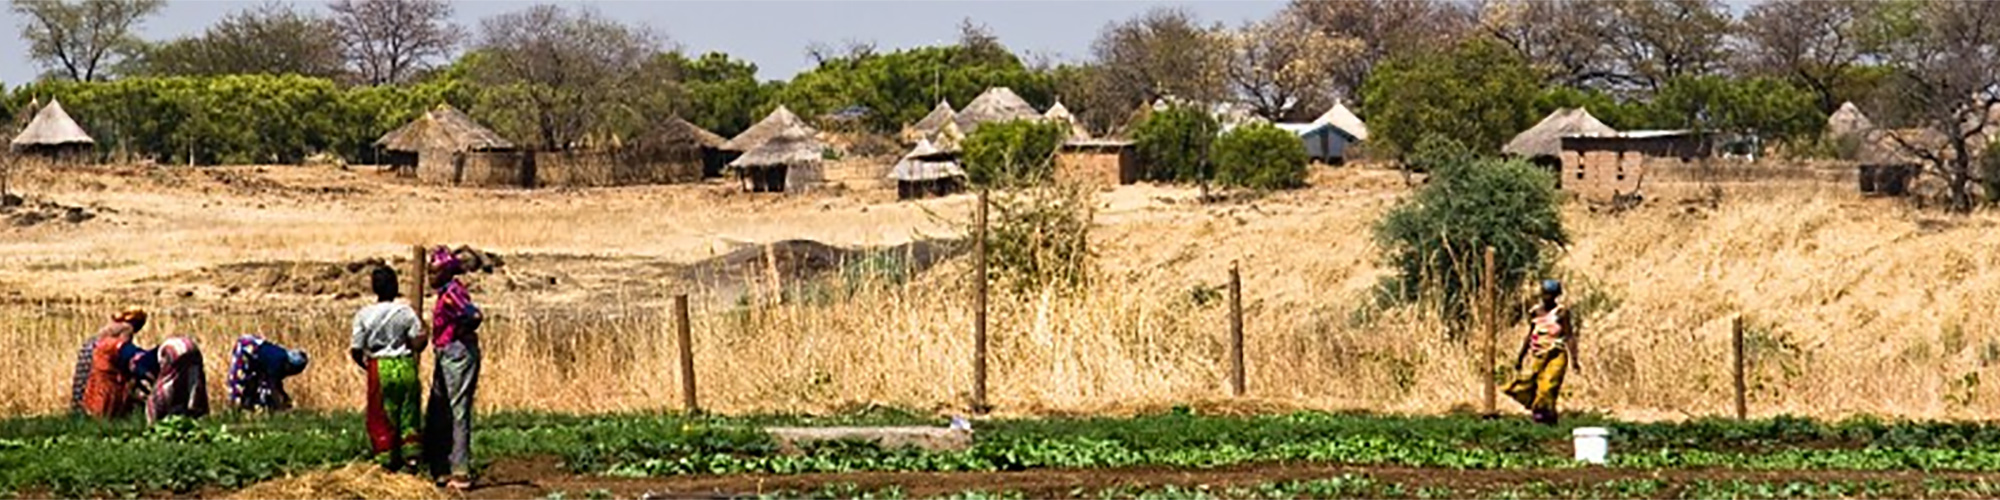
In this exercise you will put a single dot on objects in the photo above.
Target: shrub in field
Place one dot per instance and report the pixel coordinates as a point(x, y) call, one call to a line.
point(1436, 238)
point(1039, 236)
point(1010, 154)
point(1175, 144)
point(1260, 156)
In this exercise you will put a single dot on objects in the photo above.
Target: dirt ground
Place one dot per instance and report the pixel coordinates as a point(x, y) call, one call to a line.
point(534, 479)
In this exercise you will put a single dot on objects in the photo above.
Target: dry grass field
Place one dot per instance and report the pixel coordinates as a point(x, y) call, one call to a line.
point(1854, 305)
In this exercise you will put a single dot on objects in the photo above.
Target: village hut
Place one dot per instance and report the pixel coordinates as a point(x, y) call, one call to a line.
point(52, 133)
point(787, 160)
point(1060, 114)
point(997, 104)
point(1848, 122)
point(779, 121)
point(682, 146)
point(1542, 143)
point(927, 171)
point(449, 148)
point(1339, 116)
point(929, 126)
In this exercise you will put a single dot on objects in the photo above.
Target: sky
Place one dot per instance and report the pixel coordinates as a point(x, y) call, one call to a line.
point(772, 34)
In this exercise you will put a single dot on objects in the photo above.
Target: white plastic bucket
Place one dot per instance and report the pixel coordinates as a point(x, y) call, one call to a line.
point(1591, 445)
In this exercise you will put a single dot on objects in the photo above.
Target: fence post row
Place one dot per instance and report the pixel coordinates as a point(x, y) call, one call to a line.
point(1490, 314)
point(684, 335)
point(1236, 387)
point(979, 405)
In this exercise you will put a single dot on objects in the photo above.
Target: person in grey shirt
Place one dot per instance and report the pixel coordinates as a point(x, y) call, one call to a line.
point(388, 335)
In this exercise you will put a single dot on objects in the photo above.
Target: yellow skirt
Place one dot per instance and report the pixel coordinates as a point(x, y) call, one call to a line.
point(1539, 385)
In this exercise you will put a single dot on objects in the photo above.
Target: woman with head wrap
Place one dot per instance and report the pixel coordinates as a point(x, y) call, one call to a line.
point(104, 379)
point(180, 384)
point(454, 326)
point(1545, 357)
point(257, 372)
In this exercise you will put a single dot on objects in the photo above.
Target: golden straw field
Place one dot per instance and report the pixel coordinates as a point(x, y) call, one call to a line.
point(1853, 305)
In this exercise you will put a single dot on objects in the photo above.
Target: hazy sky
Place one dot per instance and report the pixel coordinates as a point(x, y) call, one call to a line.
point(773, 34)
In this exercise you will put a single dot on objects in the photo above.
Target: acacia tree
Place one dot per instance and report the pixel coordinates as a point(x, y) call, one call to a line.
point(1385, 29)
point(1817, 43)
point(390, 41)
point(1282, 67)
point(559, 74)
point(80, 38)
point(1164, 52)
point(1564, 41)
point(1659, 40)
point(268, 39)
point(1945, 56)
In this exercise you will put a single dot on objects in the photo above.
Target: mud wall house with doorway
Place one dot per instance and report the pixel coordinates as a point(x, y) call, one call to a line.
point(1603, 167)
point(451, 149)
point(789, 162)
point(1542, 143)
point(1102, 161)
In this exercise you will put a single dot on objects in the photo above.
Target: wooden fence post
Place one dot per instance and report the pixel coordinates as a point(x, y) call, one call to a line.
point(979, 403)
point(1236, 369)
point(419, 281)
point(684, 335)
point(1491, 317)
point(1736, 341)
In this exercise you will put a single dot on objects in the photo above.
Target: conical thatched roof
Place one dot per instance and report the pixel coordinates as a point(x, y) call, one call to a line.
point(929, 126)
point(1345, 119)
point(1545, 138)
point(51, 127)
point(789, 146)
point(997, 104)
point(948, 137)
point(1060, 113)
point(679, 131)
point(1847, 121)
point(926, 163)
point(778, 121)
point(443, 129)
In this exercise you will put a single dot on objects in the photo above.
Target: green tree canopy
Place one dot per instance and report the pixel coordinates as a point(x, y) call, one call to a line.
point(1175, 144)
point(1015, 153)
point(900, 87)
point(1260, 156)
point(1436, 239)
point(1479, 92)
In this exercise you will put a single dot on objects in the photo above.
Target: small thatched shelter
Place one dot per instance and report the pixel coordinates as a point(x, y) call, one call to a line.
point(787, 160)
point(1543, 142)
point(679, 142)
point(928, 127)
point(446, 147)
point(927, 171)
point(1340, 116)
point(997, 104)
point(1061, 114)
point(1848, 122)
point(779, 121)
point(443, 129)
point(53, 133)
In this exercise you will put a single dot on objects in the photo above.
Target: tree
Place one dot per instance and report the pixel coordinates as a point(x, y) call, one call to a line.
point(390, 41)
point(1817, 43)
point(1012, 154)
point(1175, 143)
point(1260, 156)
point(1480, 93)
point(1164, 52)
point(82, 37)
point(1945, 58)
point(1435, 239)
point(1769, 107)
point(269, 39)
point(1564, 41)
point(559, 75)
point(900, 87)
point(1658, 40)
point(1284, 69)
point(724, 95)
point(1386, 29)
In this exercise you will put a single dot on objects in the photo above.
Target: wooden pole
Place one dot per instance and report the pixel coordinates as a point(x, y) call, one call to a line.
point(1236, 387)
point(419, 281)
point(684, 335)
point(1490, 315)
point(1736, 341)
point(979, 405)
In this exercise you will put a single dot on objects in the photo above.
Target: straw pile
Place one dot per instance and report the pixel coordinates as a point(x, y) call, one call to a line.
point(355, 481)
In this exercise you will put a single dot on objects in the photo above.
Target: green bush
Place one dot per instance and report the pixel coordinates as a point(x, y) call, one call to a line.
point(1016, 153)
point(1260, 156)
point(1480, 92)
point(1174, 144)
point(1436, 238)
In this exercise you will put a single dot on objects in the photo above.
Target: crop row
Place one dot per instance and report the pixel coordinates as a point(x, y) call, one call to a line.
point(72, 457)
point(1353, 486)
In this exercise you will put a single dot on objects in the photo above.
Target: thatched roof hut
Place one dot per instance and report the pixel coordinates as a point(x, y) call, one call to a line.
point(1545, 138)
point(1848, 121)
point(443, 129)
point(52, 128)
point(1060, 113)
point(997, 104)
point(788, 160)
point(1345, 119)
point(779, 121)
point(929, 126)
point(926, 162)
point(682, 132)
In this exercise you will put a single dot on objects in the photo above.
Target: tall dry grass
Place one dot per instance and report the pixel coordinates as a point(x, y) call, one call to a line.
point(1855, 306)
